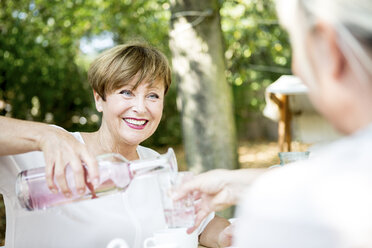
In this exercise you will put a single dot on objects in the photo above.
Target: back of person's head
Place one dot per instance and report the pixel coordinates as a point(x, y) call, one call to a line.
point(351, 19)
point(129, 63)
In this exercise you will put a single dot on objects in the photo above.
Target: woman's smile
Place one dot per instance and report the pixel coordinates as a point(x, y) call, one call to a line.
point(136, 123)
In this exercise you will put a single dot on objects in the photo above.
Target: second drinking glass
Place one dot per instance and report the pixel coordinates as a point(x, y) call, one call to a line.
point(179, 213)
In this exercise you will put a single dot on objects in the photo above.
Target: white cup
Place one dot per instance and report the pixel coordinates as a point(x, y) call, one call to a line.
point(117, 243)
point(172, 238)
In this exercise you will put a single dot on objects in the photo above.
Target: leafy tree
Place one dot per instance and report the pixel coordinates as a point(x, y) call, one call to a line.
point(257, 53)
point(38, 45)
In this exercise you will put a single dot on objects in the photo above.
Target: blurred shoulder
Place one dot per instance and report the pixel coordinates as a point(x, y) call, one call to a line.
point(326, 197)
point(281, 183)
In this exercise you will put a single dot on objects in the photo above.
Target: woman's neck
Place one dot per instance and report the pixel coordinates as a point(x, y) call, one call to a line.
point(102, 141)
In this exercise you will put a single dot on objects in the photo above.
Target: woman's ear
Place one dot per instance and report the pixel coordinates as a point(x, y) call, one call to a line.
point(98, 100)
point(332, 48)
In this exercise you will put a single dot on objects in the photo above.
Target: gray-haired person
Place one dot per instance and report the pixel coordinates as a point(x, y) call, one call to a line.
point(325, 201)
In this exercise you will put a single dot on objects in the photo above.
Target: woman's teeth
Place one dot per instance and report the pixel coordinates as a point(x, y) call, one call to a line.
point(136, 122)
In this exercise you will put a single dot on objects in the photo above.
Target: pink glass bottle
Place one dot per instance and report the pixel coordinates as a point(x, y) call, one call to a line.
point(115, 172)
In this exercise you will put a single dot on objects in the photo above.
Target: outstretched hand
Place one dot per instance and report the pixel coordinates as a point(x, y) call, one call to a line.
point(216, 190)
point(212, 191)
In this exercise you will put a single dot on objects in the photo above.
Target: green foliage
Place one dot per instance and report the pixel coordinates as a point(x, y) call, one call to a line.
point(137, 19)
point(38, 45)
point(257, 53)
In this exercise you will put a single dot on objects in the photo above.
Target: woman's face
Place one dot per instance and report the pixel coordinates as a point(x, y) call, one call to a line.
point(132, 115)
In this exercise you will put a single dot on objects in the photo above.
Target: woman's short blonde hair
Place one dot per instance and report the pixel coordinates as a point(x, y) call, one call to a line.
point(118, 66)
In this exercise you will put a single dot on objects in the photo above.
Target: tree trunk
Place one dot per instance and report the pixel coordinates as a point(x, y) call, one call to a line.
point(204, 96)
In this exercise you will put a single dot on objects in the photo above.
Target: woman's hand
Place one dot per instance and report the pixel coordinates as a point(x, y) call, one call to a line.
point(60, 149)
point(216, 190)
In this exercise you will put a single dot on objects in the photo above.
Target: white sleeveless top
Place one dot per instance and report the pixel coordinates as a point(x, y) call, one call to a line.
point(132, 215)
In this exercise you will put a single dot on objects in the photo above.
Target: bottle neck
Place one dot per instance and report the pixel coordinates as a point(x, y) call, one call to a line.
point(143, 167)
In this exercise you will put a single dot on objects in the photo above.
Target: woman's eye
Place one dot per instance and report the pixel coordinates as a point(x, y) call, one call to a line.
point(126, 92)
point(154, 96)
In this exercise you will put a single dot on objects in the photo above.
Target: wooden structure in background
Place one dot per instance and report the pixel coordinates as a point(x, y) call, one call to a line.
point(284, 123)
point(279, 94)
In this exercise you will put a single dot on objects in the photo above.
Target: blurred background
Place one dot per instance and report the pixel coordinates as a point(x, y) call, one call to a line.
point(46, 47)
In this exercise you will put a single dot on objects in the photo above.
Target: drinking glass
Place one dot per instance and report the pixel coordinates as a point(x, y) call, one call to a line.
point(290, 157)
point(180, 213)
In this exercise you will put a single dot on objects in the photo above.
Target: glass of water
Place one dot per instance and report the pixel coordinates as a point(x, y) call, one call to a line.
point(290, 157)
point(180, 213)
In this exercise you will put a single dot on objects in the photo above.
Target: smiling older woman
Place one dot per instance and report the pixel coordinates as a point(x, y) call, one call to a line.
point(129, 83)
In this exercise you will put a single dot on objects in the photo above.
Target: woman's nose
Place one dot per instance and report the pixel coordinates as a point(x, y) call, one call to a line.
point(139, 105)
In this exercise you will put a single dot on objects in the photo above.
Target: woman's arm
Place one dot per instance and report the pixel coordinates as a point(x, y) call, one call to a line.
point(18, 136)
point(60, 149)
point(213, 235)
